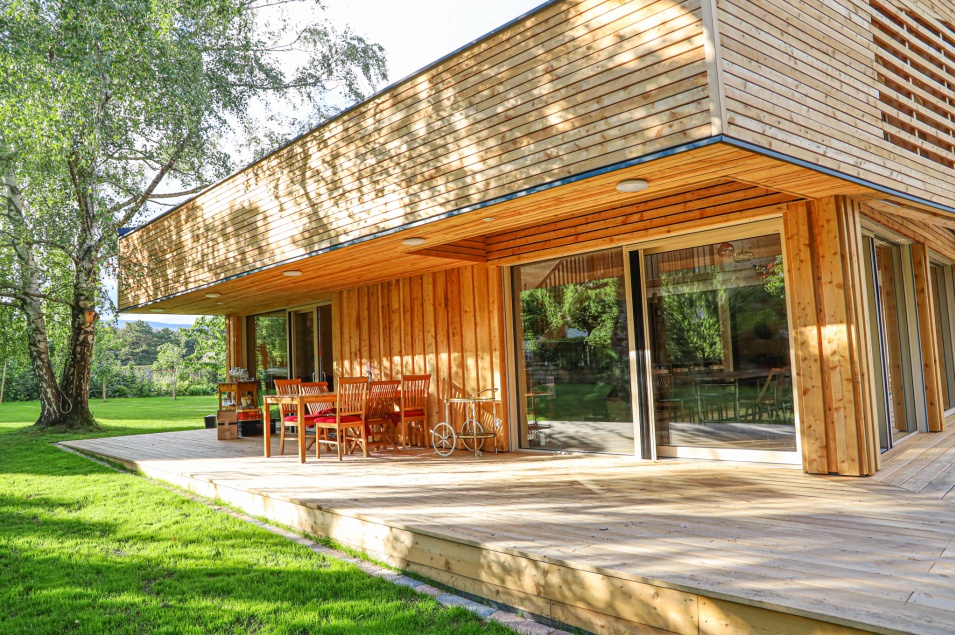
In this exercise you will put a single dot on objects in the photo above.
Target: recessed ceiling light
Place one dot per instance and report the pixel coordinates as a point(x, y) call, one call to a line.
point(413, 242)
point(292, 273)
point(157, 310)
point(213, 295)
point(489, 219)
point(632, 185)
point(218, 303)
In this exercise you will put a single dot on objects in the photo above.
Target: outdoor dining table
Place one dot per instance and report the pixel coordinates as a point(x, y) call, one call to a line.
point(300, 402)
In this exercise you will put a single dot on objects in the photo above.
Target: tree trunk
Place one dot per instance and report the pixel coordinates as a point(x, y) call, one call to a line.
point(77, 368)
point(104, 388)
point(175, 381)
point(32, 305)
point(3, 382)
point(50, 402)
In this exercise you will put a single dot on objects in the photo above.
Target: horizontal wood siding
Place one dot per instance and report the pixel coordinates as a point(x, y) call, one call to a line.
point(812, 79)
point(449, 324)
point(578, 85)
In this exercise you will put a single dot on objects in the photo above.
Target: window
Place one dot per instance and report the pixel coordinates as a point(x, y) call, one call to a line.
point(573, 354)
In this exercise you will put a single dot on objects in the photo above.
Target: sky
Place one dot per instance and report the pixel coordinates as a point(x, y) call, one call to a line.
point(414, 34)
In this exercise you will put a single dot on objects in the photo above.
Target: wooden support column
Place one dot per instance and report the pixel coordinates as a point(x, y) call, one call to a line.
point(931, 368)
point(833, 378)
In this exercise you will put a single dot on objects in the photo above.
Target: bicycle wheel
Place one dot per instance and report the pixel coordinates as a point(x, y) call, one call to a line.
point(472, 428)
point(443, 439)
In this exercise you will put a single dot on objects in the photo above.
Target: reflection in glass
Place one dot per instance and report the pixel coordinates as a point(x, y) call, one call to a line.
point(719, 346)
point(575, 368)
point(268, 348)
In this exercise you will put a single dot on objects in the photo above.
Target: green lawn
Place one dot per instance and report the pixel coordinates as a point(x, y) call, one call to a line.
point(84, 549)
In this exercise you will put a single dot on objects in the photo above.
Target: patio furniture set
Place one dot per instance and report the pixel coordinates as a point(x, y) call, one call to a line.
point(382, 414)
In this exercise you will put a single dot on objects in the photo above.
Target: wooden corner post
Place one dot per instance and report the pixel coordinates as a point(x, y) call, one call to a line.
point(931, 369)
point(833, 361)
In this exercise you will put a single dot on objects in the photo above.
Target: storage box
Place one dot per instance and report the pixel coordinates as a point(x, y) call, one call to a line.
point(227, 425)
point(228, 431)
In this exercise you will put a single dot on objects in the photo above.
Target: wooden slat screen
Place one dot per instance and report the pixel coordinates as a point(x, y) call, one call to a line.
point(844, 84)
point(917, 76)
point(448, 324)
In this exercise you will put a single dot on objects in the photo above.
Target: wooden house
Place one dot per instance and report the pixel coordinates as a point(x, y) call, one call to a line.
point(710, 228)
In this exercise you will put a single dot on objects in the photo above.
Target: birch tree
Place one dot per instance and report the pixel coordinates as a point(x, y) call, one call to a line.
point(109, 108)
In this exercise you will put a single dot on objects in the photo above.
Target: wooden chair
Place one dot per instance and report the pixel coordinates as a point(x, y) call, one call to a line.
point(350, 406)
point(285, 387)
point(413, 408)
point(314, 410)
point(765, 402)
point(379, 426)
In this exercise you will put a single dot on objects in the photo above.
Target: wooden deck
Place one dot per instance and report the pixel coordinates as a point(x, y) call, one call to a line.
point(925, 465)
point(609, 544)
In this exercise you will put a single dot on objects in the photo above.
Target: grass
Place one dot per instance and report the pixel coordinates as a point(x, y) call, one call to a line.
point(84, 549)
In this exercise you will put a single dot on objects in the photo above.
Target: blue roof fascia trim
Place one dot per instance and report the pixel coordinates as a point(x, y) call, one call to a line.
point(745, 145)
point(701, 143)
point(344, 112)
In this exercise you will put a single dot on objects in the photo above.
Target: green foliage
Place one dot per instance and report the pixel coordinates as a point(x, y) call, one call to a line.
point(139, 343)
point(87, 550)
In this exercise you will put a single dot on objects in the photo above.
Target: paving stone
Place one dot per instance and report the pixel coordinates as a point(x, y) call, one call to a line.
point(450, 599)
point(430, 590)
point(404, 580)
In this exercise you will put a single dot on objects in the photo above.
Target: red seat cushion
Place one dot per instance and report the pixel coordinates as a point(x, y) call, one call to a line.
point(294, 419)
point(409, 414)
point(332, 419)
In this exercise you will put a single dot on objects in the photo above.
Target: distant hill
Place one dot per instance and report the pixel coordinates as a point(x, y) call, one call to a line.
point(157, 326)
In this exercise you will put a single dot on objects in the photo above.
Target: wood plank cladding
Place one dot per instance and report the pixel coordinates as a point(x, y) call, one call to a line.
point(449, 324)
point(844, 84)
point(575, 86)
point(721, 202)
point(833, 360)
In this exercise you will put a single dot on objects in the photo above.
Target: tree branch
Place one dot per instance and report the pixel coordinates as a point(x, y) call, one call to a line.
point(194, 190)
point(135, 203)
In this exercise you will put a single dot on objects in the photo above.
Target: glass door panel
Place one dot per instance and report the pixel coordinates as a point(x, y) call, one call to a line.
point(890, 328)
point(303, 345)
point(719, 346)
point(573, 360)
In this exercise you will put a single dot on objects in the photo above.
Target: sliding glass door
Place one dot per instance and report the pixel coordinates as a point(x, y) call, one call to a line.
point(311, 344)
point(718, 341)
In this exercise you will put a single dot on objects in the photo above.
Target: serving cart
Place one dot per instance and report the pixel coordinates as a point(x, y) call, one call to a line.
point(444, 436)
